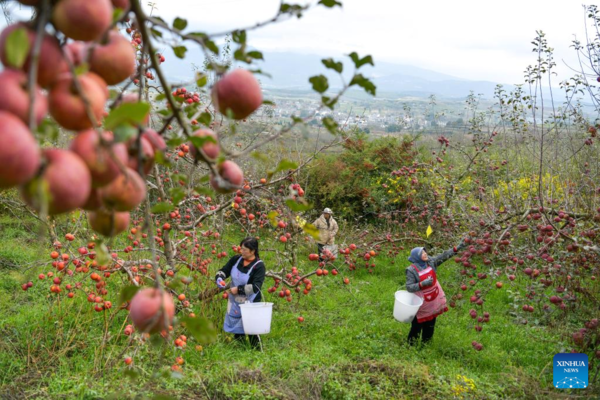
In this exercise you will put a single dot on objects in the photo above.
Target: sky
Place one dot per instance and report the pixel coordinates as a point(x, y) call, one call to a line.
point(469, 39)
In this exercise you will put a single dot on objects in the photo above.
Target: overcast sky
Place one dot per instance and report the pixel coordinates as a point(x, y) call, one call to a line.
point(471, 39)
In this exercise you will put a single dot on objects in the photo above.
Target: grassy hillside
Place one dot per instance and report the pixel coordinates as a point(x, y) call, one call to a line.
point(348, 347)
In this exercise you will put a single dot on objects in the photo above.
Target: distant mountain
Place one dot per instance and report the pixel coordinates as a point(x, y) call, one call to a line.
point(291, 71)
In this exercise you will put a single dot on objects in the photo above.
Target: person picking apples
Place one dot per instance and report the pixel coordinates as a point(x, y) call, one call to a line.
point(328, 228)
point(247, 272)
point(421, 279)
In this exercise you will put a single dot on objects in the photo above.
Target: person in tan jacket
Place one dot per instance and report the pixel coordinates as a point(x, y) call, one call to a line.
point(328, 228)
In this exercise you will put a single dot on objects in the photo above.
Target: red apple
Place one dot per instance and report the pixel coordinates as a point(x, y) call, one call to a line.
point(126, 192)
point(122, 4)
point(147, 313)
point(14, 96)
point(103, 165)
point(51, 61)
point(67, 106)
point(114, 59)
point(231, 177)
point(94, 201)
point(157, 141)
point(108, 223)
point(239, 92)
point(211, 150)
point(68, 182)
point(76, 52)
point(147, 154)
point(20, 160)
point(83, 20)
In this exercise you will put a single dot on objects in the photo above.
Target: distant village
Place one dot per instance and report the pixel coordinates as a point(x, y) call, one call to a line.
point(367, 119)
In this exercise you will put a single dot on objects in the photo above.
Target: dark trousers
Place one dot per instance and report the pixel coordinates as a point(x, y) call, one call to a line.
point(423, 330)
point(253, 339)
point(320, 250)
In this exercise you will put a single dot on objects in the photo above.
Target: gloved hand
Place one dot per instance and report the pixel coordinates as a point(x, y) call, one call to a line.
point(221, 283)
point(427, 282)
point(460, 246)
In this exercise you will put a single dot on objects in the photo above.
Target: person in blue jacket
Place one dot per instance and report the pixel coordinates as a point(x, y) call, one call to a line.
point(247, 272)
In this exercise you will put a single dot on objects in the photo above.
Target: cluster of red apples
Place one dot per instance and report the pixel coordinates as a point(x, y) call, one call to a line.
point(82, 52)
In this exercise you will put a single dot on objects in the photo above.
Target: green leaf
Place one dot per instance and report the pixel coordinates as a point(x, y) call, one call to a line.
point(364, 83)
point(127, 113)
point(257, 155)
point(123, 133)
point(177, 194)
point(174, 142)
point(298, 207)
point(17, 47)
point(200, 328)
point(159, 158)
point(180, 51)
point(334, 65)
point(205, 118)
point(272, 216)
point(191, 109)
point(175, 285)
point(201, 79)
point(200, 141)
point(179, 177)
point(292, 9)
point(131, 373)
point(239, 37)
point(330, 3)
point(82, 69)
point(268, 102)
point(319, 83)
point(160, 97)
point(257, 55)
point(117, 14)
point(204, 191)
point(211, 46)
point(285, 165)
point(156, 33)
point(163, 396)
point(329, 102)
point(127, 293)
point(330, 124)
point(156, 341)
point(162, 207)
point(48, 129)
point(102, 254)
point(240, 55)
point(359, 62)
point(180, 24)
point(311, 230)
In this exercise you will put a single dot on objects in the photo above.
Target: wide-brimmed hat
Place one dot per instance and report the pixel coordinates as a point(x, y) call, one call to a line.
point(327, 211)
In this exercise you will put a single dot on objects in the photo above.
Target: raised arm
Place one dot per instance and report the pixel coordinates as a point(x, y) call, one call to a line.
point(441, 258)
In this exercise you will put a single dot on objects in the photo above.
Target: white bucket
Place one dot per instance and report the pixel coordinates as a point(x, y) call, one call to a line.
point(406, 306)
point(256, 318)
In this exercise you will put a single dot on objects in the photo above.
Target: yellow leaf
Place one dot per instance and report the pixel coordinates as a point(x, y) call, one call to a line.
point(429, 230)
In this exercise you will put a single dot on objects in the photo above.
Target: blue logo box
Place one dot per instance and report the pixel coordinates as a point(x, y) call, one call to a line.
point(571, 371)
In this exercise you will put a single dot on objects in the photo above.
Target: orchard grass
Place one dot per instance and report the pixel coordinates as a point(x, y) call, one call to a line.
point(348, 347)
